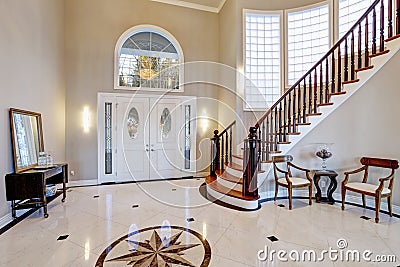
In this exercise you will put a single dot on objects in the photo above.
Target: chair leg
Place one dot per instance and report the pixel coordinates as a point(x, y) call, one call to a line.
point(276, 191)
point(377, 207)
point(389, 203)
point(343, 196)
point(363, 200)
point(310, 194)
point(290, 197)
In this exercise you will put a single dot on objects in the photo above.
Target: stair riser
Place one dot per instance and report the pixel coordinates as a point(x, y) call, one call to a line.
point(245, 204)
point(237, 161)
point(234, 172)
point(229, 184)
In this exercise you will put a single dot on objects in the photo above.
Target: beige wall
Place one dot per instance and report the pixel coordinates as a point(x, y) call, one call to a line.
point(32, 74)
point(92, 30)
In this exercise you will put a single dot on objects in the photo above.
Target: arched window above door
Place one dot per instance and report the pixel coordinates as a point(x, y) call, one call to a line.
point(148, 58)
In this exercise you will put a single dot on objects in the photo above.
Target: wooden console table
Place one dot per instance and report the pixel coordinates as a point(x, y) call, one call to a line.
point(28, 189)
point(332, 186)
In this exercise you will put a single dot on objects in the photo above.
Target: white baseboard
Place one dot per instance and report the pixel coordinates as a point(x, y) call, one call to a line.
point(82, 183)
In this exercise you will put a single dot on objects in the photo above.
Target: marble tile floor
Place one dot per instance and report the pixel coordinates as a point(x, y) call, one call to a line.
point(95, 224)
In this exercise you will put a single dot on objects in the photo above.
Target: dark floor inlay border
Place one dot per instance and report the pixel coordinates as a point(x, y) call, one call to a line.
point(281, 205)
point(190, 219)
point(365, 218)
point(173, 189)
point(96, 196)
point(135, 206)
point(62, 237)
point(273, 238)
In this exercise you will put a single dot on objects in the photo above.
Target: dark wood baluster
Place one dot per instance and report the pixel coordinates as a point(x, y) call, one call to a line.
point(339, 76)
point(373, 31)
point(267, 149)
point(304, 101)
point(382, 28)
point(289, 113)
point(294, 111)
point(280, 124)
point(366, 49)
point(321, 86)
point(315, 91)
point(222, 153)
point(298, 103)
point(277, 130)
point(226, 148)
point(310, 94)
point(346, 62)
point(230, 145)
point(390, 18)
point(333, 74)
point(327, 80)
point(274, 131)
point(284, 112)
point(397, 17)
point(359, 58)
point(261, 132)
point(352, 58)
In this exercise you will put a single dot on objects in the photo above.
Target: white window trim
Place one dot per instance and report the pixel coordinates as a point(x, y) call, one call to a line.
point(160, 31)
point(331, 31)
point(282, 54)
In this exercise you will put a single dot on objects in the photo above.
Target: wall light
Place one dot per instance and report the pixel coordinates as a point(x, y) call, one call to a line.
point(86, 119)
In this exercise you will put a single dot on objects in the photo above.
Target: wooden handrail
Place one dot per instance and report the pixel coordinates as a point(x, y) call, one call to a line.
point(227, 128)
point(333, 48)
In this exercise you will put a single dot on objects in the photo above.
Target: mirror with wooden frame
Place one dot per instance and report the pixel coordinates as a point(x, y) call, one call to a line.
point(27, 138)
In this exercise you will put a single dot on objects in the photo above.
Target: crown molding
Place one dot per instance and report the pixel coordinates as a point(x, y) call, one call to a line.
point(193, 5)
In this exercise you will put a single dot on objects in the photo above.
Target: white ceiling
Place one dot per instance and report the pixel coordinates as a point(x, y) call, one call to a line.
point(205, 5)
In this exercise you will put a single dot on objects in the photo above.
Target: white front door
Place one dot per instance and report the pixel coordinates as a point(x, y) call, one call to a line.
point(166, 120)
point(132, 139)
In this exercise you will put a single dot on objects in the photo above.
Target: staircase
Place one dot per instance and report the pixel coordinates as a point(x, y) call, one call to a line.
point(344, 69)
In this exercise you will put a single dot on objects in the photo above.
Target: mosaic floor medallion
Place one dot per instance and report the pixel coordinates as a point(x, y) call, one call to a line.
point(158, 246)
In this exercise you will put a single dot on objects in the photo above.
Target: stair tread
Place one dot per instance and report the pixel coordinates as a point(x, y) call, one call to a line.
point(237, 156)
point(351, 81)
point(365, 68)
point(338, 93)
point(284, 143)
point(229, 177)
point(392, 38)
point(237, 167)
point(325, 104)
point(303, 123)
point(379, 53)
point(213, 184)
point(314, 114)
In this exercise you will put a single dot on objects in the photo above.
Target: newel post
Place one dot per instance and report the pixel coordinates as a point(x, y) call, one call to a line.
point(215, 154)
point(252, 144)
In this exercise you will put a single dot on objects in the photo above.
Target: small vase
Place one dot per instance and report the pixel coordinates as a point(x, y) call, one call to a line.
point(323, 153)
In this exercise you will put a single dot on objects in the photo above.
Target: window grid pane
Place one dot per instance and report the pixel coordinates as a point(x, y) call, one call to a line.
point(308, 40)
point(262, 60)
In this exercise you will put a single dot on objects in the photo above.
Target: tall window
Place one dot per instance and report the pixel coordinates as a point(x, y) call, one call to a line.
point(307, 39)
point(262, 59)
point(148, 58)
point(349, 12)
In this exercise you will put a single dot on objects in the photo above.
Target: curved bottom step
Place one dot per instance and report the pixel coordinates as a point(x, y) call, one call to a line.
point(229, 196)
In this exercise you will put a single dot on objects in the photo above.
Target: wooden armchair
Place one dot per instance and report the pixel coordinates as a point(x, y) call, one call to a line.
point(288, 180)
point(378, 191)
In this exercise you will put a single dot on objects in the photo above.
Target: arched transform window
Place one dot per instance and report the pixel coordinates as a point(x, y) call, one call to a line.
point(148, 57)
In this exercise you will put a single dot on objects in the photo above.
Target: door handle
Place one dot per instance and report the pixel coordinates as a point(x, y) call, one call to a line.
point(147, 150)
point(152, 149)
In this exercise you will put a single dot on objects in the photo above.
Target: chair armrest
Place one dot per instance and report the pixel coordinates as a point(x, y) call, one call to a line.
point(299, 168)
point(356, 171)
point(282, 171)
point(386, 178)
point(307, 171)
